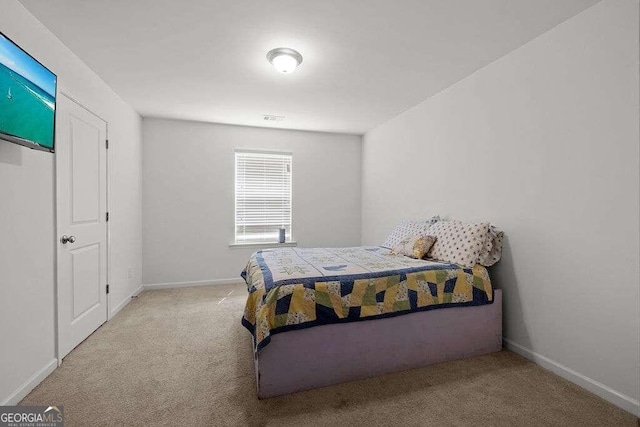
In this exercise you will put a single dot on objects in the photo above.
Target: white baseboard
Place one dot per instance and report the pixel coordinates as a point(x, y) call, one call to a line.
point(599, 389)
point(124, 302)
point(15, 397)
point(169, 285)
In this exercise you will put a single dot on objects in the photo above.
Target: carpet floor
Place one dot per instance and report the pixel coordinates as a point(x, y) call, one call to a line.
point(181, 357)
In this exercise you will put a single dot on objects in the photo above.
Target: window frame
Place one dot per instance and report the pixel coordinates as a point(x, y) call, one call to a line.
point(289, 238)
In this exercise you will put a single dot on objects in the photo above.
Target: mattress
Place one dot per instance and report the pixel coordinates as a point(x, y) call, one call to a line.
point(294, 288)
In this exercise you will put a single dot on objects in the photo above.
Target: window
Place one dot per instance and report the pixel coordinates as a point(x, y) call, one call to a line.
point(263, 196)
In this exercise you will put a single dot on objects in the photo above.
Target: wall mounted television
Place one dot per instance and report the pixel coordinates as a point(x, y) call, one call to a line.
point(27, 99)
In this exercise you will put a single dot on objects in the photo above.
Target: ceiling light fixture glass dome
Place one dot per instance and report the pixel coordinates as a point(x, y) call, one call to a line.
point(284, 59)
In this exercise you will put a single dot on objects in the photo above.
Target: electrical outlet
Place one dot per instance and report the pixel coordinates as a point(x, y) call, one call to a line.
point(130, 273)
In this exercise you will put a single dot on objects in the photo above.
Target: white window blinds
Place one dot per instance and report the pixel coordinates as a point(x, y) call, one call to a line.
point(263, 196)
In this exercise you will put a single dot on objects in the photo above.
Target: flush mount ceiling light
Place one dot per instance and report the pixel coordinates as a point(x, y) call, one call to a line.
point(284, 59)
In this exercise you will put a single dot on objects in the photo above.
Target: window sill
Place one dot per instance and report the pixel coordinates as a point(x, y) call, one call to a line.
point(261, 245)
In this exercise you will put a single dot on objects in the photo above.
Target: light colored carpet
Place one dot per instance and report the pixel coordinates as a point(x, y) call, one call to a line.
point(181, 357)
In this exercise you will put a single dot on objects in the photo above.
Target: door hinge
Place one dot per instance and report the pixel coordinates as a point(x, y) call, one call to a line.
point(107, 216)
point(107, 288)
point(107, 143)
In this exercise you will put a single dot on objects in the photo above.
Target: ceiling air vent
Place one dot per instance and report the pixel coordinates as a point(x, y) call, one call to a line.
point(272, 118)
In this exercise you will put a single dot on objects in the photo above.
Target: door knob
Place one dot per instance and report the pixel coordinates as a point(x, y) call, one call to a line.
point(67, 239)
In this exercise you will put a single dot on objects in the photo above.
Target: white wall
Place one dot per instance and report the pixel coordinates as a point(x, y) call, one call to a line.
point(188, 204)
point(544, 143)
point(27, 206)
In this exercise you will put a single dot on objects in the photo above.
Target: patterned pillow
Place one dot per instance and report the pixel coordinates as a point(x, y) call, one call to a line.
point(457, 242)
point(492, 250)
point(407, 229)
point(414, 247)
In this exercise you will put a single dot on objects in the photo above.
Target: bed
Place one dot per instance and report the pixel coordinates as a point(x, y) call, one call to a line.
point(322, 316)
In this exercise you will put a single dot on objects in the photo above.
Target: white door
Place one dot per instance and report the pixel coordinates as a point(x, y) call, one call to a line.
point(81, 184)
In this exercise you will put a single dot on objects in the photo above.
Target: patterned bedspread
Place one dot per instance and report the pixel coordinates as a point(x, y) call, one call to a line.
point(292, 288)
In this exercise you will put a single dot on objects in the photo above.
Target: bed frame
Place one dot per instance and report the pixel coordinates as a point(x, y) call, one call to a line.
point(331, 354)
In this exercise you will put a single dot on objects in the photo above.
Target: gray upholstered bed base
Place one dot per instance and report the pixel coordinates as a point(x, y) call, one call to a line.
point(331, 354)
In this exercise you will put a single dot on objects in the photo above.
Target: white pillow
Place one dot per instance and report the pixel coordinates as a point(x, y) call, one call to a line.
point(457, 242)
point(407, 229)
point(492, 250)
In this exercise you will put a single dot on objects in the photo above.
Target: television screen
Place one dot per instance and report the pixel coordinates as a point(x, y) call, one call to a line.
point(27, 98)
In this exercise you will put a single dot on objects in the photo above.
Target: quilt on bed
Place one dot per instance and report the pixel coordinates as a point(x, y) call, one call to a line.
point(292, 288)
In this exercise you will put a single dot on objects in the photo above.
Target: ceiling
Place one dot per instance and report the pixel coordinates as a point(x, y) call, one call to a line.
point(365, 61)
